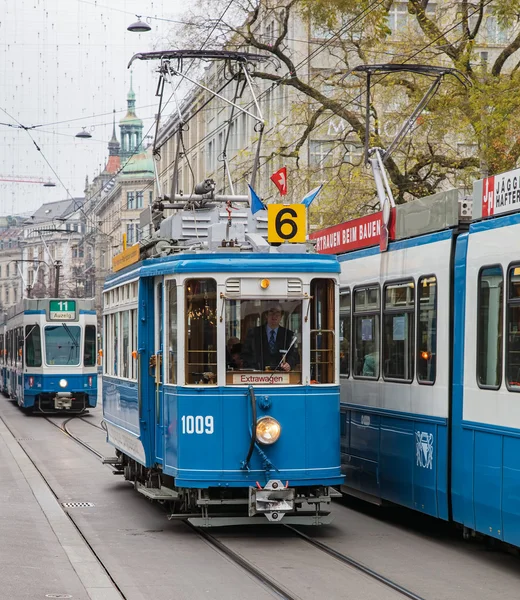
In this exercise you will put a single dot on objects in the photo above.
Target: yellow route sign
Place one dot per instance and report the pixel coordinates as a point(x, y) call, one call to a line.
point(125, 258)
point(286, 223)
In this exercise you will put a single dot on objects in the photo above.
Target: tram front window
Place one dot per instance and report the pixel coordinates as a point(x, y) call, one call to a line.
point(62, 344)
point(263, 339)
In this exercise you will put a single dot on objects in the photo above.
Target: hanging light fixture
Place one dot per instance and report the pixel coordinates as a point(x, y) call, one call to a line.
point(83, 134)
point(139, 26)
point(49, 184)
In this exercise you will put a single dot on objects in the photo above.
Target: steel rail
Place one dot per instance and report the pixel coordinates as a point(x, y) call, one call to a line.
point(356, 565)
point(63, 428)
point(239, 560)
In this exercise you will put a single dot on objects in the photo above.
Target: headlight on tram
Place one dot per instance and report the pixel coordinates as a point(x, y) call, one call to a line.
point(268, 430)
point(63, 383)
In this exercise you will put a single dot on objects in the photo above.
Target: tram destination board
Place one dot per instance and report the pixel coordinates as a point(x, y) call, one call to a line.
point(62, 310)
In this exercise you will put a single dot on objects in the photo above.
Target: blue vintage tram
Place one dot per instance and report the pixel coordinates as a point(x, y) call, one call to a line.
point(196, 420)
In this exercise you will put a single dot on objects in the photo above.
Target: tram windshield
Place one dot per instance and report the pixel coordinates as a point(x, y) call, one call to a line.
point(62, 344)
point(263, 340)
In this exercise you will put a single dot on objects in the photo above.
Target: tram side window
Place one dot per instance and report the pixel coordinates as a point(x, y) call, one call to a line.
point(107, 332)
point(322, 331)
point(489, 327)
point(19, 344)
point(171, 367)
point(125, 347)
point(115, 344)
point(513, 330)
point(427, 329)
point(89, 351)
point(398, 331)
point(344, 332)
point(367, 306)
point(201, 331)
point(133, 329)
point(33, 346)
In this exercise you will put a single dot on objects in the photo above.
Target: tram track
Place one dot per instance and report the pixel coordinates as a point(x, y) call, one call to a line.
point(63, 428)
point(258, 574)
point(347, 560)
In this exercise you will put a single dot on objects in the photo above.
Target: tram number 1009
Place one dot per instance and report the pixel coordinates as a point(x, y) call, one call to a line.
point(197, 424)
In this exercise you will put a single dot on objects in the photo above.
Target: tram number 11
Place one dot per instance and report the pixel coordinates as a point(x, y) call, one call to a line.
point(198, 424)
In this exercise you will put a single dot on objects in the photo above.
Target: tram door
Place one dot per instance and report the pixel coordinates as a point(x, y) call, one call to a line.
point(159, 368)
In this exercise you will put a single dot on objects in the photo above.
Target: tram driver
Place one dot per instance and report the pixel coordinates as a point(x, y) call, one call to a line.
point(270, 346)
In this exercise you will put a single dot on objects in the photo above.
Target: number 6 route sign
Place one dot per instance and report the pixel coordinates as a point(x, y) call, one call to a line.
point(286, 223)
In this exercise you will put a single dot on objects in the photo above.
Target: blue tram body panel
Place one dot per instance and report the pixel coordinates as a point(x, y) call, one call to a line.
point(392, 448)
point(212, 454)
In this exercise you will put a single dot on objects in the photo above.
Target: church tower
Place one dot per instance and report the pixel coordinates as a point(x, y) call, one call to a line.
point(114, 160)
point(131, 129)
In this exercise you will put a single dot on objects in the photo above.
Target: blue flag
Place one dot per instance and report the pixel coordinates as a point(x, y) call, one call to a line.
point(256, 203)
point(311, 195)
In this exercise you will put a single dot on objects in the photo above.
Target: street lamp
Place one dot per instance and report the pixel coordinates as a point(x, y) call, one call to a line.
point(83, 134)
point(139, 26)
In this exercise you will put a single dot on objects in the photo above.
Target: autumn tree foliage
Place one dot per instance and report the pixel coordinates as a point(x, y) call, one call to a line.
point(467, 131)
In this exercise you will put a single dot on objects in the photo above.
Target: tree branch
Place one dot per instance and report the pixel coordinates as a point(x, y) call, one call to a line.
point(504, 55)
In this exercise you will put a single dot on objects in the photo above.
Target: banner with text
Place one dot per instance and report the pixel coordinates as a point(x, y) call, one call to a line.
point(501, 193)
point(352, 235)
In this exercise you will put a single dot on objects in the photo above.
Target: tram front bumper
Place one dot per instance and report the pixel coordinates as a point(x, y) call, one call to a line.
point(273, 501)
point(63, 400)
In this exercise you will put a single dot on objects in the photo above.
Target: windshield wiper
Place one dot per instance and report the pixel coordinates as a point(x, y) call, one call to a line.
point(67, 329)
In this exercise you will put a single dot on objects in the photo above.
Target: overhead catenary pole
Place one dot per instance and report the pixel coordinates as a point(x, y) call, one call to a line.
point(57, 266)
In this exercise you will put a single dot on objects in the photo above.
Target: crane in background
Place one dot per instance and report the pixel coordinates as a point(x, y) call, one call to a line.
point(27, 179)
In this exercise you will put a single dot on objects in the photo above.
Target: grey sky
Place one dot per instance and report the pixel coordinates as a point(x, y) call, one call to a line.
point(66, 61)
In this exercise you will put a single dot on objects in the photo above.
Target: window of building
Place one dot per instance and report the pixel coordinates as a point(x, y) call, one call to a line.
point(150, 198)
point(427, 329)
point(321, 152)
point(130, 233)
point(400, 20)
point(399, 331)
point(201, 331)
point(489, 326)
point(130, 200)
point(344, 332)
point(367, 308)
point(7, 269)
point(139, 199)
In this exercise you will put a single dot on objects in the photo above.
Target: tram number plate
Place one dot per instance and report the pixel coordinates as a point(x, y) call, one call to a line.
point(62, 310)
point(197, 424)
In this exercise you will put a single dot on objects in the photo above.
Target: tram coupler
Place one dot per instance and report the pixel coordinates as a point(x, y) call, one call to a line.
point(63, 401)
point(273, 500)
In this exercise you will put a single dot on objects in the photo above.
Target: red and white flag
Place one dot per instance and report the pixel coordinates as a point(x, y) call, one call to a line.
point(280, 180)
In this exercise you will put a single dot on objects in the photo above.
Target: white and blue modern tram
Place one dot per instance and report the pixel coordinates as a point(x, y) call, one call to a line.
point(48, 354)
point(430, 358)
